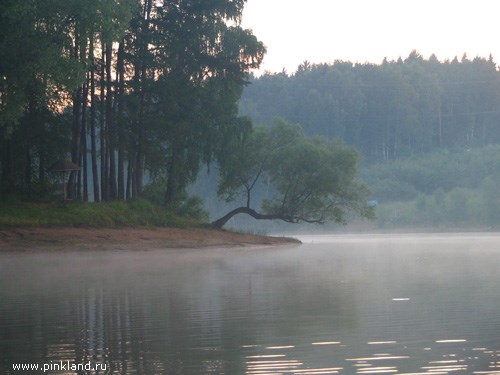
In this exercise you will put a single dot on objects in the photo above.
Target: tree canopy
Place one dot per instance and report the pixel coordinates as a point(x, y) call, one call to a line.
point(387, 111)
point(125, 89)
point(311, 180)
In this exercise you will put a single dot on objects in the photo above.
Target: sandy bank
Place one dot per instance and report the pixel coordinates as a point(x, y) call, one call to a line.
point(29, 239)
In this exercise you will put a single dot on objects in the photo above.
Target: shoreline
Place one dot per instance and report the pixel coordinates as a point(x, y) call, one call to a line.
point(78, 238)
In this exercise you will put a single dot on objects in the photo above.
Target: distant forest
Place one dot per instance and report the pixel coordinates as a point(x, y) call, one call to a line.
point(428, 131)
point(388, 111)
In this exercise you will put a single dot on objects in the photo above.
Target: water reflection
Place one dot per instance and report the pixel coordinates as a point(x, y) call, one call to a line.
point(463, 361)
point(348, 305)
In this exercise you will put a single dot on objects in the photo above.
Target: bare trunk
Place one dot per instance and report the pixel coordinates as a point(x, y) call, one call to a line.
point(121, 123)
point(76, 140)
point(172, 178)
point(104, 169)
point(7, 167)
point(128, 193)
point(110, 124)
point(79, 53)
point(27, 166)
point(41, 160)
point(141, 77)
point(139, 163)
point(246, 210)
point(84, 153)
point(95, 177)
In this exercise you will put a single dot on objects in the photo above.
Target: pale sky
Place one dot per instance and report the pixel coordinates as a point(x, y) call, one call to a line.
point(369, 30)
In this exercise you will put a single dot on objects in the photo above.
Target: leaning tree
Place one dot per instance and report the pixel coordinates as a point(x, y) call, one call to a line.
point(313, 180)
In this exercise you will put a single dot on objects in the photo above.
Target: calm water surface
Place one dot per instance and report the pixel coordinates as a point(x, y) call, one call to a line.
point(357, 304)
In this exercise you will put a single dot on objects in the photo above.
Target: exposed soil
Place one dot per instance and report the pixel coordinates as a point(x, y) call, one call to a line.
point(30, 239)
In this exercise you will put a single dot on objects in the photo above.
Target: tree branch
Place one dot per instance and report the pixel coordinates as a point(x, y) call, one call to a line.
point(256, 215)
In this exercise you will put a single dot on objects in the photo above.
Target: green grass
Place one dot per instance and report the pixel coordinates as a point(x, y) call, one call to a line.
point(135, 213)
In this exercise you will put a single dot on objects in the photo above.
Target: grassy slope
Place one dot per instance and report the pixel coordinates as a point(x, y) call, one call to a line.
point(137, 213)
point(116, 225)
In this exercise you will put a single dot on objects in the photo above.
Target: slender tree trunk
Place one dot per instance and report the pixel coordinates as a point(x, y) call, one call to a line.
point(141, 73)
point(41, 146)
point(8, 166)
point(120, 123)
point(75, 151)
point(79, 182)
point(95, 177)
point(111, 136)
point(172, 177)
point(134, 140)
point(32, 120)
point(128, 193)
point(27, 166)
point(139, 174)
point(104, 160)
point(76, 134)
point(84, 153)
point(41, 156)
point(139, 163)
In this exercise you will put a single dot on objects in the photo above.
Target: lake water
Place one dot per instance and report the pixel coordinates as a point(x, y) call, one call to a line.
point(347, 304)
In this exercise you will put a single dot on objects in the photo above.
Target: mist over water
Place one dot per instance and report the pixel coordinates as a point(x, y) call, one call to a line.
point(336, 304)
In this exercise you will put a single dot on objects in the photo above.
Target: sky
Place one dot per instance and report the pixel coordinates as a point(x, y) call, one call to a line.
point(369, 30)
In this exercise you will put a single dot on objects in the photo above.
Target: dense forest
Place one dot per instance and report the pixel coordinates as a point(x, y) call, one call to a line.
point(140, 95)
point(442, 189)
point(387, 111)
point(129, 99)
point(428, 131)
point(124, 89)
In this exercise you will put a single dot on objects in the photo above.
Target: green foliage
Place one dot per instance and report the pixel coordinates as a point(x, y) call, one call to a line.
point(388, 189)
point(249, 157)
point(30, 50)
point(191, 207)
point(43, 63)
point(185, 205)
point(490, 200)
point(460, 208)
point(404, 179)
point(467, 197)
point(162, 102)
point(389, 111)
point(312, 179)
point(194, 66)
point(137, 212)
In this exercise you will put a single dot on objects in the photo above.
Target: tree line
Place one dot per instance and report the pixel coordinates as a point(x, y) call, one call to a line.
point(387, 111)
point(439, 189)
point(122, 88)
point(148, 90)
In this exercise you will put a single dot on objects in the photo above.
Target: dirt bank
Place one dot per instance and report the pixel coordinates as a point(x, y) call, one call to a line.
point(29, 239)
